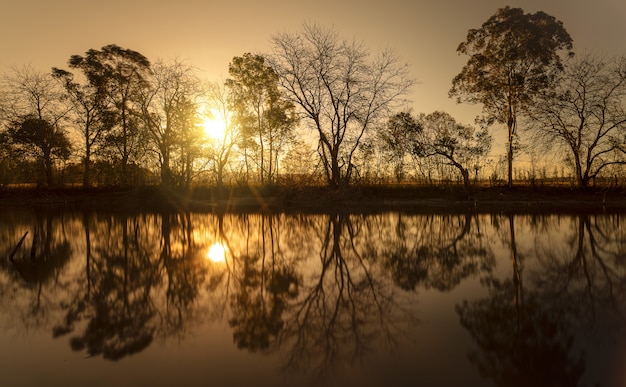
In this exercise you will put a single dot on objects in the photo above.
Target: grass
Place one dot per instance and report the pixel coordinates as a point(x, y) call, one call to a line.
point(374, 198)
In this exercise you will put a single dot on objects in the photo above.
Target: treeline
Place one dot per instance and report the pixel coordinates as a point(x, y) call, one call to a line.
point(320, 109)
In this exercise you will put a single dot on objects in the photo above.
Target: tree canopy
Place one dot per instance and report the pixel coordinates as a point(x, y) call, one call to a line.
point(512, 57)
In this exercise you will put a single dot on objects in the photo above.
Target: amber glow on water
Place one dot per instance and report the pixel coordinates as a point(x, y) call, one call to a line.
point(216, 253)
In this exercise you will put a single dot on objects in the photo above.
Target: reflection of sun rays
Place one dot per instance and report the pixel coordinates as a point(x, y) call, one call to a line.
point(216, 253)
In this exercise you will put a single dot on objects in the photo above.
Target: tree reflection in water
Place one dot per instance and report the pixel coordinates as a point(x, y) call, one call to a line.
point(321, 292)
point(437, 251)
point(525, 328)
point(36, 266)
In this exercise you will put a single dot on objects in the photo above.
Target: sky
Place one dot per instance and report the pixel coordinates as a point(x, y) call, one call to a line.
point(207, 34)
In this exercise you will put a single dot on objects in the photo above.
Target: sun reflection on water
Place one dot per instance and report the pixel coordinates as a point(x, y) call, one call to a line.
point(216, 253)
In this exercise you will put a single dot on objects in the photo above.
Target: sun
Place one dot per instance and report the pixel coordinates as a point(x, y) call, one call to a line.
point(216, 253)
point(214, 126)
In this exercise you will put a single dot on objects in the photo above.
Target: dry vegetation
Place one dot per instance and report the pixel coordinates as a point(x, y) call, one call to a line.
point(357, 199)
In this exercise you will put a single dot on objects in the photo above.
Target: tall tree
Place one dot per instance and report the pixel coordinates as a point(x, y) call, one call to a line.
point(43, 141)
point(90, 113)
point(169, 107)
point(340, 90)
point(265, 116)
point(513, 56)
point(584, 115)
point(120, 74)
point(221, 148)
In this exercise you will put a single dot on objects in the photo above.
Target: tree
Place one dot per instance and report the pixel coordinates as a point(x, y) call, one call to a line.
point(119, 74)
point(42, 140)
point(90, 113)
point(458, 145)
point(168, 111)
point(267, 119)
point(513, 57)
point(221, 148)
point(28, 92)
point(340, 90)
point(396, 138)
point(584, 115)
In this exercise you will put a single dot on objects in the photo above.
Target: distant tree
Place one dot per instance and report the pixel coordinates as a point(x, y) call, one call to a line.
point(300, 162)
point(513, 56)
point(339, 90)
point(120, 75)
point(396, 138)
point(460, 146)
point(266, 118)
point(42, 140)
point(9, 172)
point(584, 115)
point(90, 113)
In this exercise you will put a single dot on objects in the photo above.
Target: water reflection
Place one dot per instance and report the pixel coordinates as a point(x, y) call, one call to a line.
point(526, 328)
point(322, 294)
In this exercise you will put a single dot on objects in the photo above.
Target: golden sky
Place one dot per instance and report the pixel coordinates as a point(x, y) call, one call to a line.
point(208, 34)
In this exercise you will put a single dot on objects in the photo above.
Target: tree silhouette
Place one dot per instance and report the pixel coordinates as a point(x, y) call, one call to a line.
point(341, 92)
point(90, 112)
point(169, 112)
point(446, 250)
point(513, 56)
point(119, 75)
point(117, 306)
point(43, 141)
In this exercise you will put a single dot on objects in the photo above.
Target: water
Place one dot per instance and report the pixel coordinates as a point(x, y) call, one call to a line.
point(195, 299)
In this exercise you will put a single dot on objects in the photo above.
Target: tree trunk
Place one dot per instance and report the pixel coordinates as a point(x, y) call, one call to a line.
point(335, 171)
point(511, 123)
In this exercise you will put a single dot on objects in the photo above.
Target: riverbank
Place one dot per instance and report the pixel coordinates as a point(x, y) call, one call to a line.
point(361, 199)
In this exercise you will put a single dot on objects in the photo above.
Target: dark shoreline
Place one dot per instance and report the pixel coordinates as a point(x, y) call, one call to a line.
point(359, 199)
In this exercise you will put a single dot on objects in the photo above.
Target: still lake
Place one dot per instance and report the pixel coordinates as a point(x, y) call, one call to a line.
point(97, 298)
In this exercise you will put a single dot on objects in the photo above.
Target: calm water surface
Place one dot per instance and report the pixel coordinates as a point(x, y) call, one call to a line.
point(196, 299)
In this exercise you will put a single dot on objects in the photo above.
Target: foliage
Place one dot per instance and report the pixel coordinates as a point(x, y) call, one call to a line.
point(512, 57)
point(265, 117)
point(437, 136)
point(119, 75)
point(43, 141)
point(89, 112)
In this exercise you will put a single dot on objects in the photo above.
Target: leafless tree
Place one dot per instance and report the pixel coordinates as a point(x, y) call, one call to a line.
point(584, 117)
point(340, 90)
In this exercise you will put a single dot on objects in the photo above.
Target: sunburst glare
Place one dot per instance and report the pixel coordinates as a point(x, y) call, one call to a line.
point(214, 126)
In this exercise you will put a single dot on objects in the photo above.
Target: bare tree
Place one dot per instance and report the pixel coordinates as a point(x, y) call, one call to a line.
point(584, 116)
point(339, 89)
point(168, 110)
point(29, 92)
